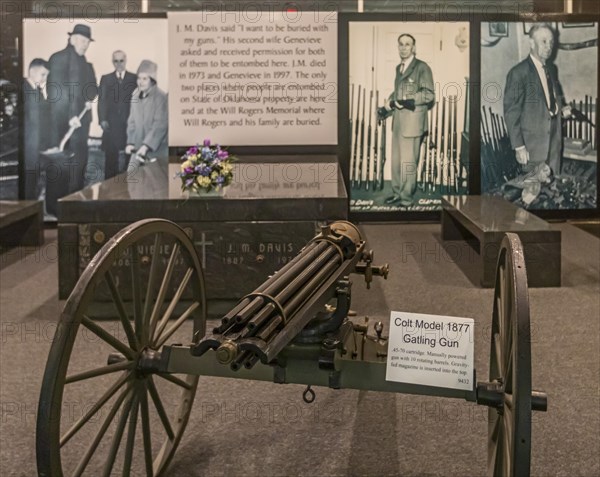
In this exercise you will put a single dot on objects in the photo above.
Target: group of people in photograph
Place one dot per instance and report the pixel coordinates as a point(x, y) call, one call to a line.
point(58, 97)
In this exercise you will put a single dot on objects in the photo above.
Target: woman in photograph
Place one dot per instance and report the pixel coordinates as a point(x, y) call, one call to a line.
point(147, 125)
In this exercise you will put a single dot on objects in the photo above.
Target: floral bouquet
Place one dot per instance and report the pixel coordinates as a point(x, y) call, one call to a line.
point(206, 168)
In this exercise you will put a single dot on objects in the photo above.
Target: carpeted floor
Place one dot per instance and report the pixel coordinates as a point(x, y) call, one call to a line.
point(240, 428)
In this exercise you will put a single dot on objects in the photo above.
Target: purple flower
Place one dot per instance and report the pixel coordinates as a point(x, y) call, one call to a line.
point(192, 150)
point(220, 179)
point(188, 170)
point(221, 154)
point(207, 143)
point(190, 181)
point(205, 171)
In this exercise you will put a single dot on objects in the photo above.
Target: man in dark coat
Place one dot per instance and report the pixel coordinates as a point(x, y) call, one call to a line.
point(37, 135)
point(114, 103)
point(534, 104)
point(75, 80)
point(413, 95)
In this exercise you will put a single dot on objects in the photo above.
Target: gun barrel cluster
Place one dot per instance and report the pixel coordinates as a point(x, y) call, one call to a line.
point(497, 155)
point(442, 165)
point(583, 120)
point(270, 317)
point(368, 147)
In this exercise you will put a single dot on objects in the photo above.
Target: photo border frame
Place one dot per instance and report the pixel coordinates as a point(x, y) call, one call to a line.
point(554, 19)
point(568, 25)
point(494, 34)
point(344, 136)
point(122, 18)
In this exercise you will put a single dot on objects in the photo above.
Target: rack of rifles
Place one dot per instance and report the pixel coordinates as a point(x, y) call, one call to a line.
point(442, 164)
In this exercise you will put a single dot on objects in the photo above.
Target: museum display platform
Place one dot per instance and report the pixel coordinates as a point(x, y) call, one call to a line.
point(259, 222)
point(482, 221)
point(21, 222)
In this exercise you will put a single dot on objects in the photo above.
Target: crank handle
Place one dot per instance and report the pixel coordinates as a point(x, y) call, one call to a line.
point(369, 271)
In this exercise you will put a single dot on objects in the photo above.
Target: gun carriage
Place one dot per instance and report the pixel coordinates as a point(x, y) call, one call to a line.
point(294, 328)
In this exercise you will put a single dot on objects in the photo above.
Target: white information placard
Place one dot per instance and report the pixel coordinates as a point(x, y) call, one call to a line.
point(253, 78)
point(431, 350)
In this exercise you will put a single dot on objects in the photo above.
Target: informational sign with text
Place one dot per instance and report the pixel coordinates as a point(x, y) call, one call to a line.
point(431, 350)
point(253, 78)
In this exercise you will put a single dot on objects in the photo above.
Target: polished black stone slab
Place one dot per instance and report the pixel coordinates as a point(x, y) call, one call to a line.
point(272, 209)
point(483, 221)
point(277, 188)
point(494, 216)
point(21, 222)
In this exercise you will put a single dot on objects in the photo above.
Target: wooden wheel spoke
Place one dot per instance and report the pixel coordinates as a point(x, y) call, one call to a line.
point(508, 366)
point(153, 277)
point(498, 354)
point(107, 337)
point(160, 408)
point(508, 402)
point(94, 445)
point(131, 436)
point(506, 451)
point(498, 455)
point(117, 437)
point(501, 310)
point(497, 425)
point(169, 311)
point(163, 288)
point(118, 301)
point(175, 326)
point(508, 330)
point(111, 368)
point(146, 432)
point(136, 287)
point(175, 380)
point(94, 409)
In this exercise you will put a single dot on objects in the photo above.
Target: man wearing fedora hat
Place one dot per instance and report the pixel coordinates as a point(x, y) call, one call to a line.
point(75, 80)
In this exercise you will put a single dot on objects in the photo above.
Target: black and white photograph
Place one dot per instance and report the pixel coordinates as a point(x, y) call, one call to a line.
point(539, 101)
point(498, 29)
point(94, 102)
point(408, 115)
point(9, 140)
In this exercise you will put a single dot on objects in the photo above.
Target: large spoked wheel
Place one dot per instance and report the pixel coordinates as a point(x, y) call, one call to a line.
point(105, 408)
point(509, 423)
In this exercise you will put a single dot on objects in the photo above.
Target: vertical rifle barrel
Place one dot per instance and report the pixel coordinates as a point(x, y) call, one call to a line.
point(382, 152)
point(375, 145)
point(350, 129)
point(369, 133)
point(435, 157)
point(443, 161)
point(355, 151)
point(456, 168)
point(362, 142)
